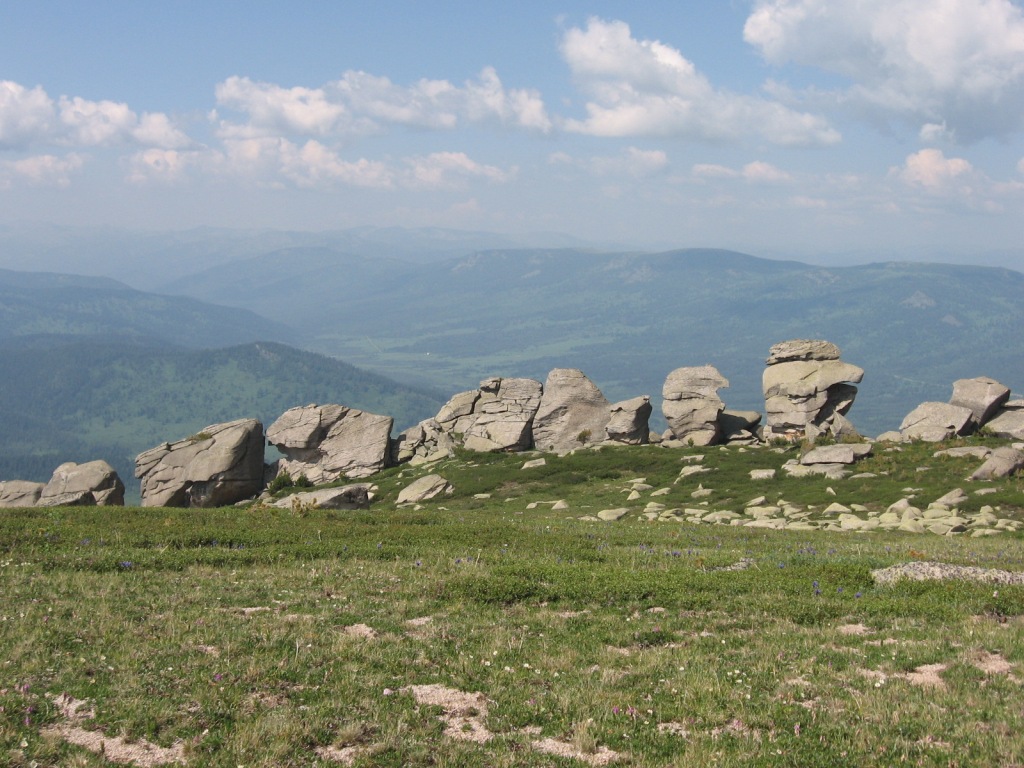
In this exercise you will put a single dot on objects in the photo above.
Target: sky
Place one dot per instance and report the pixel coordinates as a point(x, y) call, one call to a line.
point(777, 127)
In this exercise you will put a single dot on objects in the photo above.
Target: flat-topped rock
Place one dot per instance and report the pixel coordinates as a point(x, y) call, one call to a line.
point(1009, 422)
point(934, 422)
point(424, 488)
point(356, 496)
point(802, 349)
point(20, 493)
point(1002, 462)
point(982, 396)
point(842, 453)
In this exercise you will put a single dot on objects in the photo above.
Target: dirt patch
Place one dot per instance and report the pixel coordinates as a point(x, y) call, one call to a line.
point(342, 755)
point(570, 614)
point(463, 713)
point(116, 750)
point(600, 756)
point(853, 629)
point(252, 610)
point(673, 729)
point(927, 675)
point(419, 621)
point(992, 663)
point(209, 650)
point(738, 728)
point(363, 631)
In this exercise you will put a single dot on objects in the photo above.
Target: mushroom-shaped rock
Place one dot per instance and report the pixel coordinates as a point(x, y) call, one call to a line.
point(983, 396)
point(572, 412)
point(806, 385)
point(78, 485)
point(629, 420)
point(1002, 462)
point(20, 493)
point(934, 422)
point(503, 415)
point(1009, 422)
point(426, 487)
point(220, 465)
point(326, 442)
point(691, 404)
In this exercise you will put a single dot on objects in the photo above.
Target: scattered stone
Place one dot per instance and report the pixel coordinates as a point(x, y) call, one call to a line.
point(762, 474)
point(923, 571)
point(425, 488)
point(216, 467)
point(611, 515)
point(934, 422)
point(533, 463)
point(973, 451)
point(954, 498)
point(844, 453)
point(1009, 422)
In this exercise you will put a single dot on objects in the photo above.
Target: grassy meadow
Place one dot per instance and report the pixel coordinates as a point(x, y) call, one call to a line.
point(474, 630)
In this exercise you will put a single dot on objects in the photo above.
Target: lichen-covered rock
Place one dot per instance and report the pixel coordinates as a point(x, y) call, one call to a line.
point(503, 415)
point(983, 396)
point(220, 465)
point(422, 444)
point(629, 421)
point(934, 422)
point(327, 442)
point(20, 493)
point(807, 388)
point(572, 412)
point(424, 488)
point(691, 404)
point(94, 483)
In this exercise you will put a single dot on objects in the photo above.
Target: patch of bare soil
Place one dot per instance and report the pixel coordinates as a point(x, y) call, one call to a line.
point(927, 675)
point(116, 750)
point(342, 755)
point(463, 713)
point(674, 729)
point(419, 621)
point(995, 664)
point(922, 571)
point(736, 727)
point(253, 609)
point(360, 630)
point(853, 629)
point(601, 756)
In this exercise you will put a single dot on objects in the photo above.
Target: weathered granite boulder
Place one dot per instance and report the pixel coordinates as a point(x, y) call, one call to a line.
point(934, 422)
point(572, 412)
point(456, 416)
point(806, 388)
point(20, 493)
point(79, 485)
point(503, 415)
point(1009, 422)
point(218, 466)
point(326, 442)
point(628, 421)
point(424, 488)
point(842, 453)
point(1002, 462)
point(739, 426)
point(355, 496)
point(983, 396)
point(422, 444)
point(691, 404)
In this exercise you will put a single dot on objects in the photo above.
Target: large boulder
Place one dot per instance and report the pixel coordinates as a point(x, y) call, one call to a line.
point(356, 496)
point(502, 418)
point(326, 442)
point(1002, 462)
point(422, 444)
point(934, 422)
point(983, 396)
point(79, 485)
point(20, 493)
point(456, 416)
point(220, 465)
point(691, 404)
point(807, 388)
point(629, 421)
point(572, 412)
point(424, 488)
point(1009, 422)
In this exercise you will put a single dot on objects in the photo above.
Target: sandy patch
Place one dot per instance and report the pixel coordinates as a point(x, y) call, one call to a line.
point(209, 650)
point(116, 750)
point(419, 621)
point(853, 629)
point(343, 755)
point(570, 614)
point(601, 756)
point(927, 675)
point(463, 713)
point(252, 610)
point(363, 631)
point(992, 663)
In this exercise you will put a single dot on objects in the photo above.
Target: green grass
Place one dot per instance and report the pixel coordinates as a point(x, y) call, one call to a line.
point(230, 630)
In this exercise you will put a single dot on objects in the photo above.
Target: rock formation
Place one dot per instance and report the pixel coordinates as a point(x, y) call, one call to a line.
point(1002, 462)
point(572, 412)
point(496, 417)
point(326, 442)
point(629, 421)
point(983, 396)
point(1009, 422)
point(691, 404)
point(20, 493)
point(77, 485)
point(424, 443)
point(739, 427)
point(424, 488)
point(807, 390)
point(357, 496)
point(934, 422)
point(219, 466)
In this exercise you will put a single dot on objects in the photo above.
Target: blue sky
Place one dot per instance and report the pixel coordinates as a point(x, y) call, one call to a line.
point(778, 127)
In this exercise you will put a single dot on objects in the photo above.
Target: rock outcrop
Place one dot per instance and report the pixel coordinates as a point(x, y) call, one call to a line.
point(691, 404)
point(357, 496)
point(808, 390)
point(1002, 462)
point(572, 412)
point(326, 442)
point(1009, 422)
point(983, 396)
point(20, 493)
point(629, 421)
point(934, 422)
point(94, 483)
point(422, 444)
point(219, 466)
point(739, 427)
point(496, 417)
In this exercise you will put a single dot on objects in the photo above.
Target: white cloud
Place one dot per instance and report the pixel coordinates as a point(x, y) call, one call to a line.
point(953, 181)
point(931, 170)
point(646, 88)
point(361, 103)
point(445, 169)
point(25, 114)
point(954, 63)
point(632, 161)
point(756, 172)
point(41, 170)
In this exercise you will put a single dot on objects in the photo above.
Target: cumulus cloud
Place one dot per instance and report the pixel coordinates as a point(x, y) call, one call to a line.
point(361, 103)
point(953, 181)
point(958, 64)
point(42, 170)
point(931, 170)
point(29, 117)
point(647, 88)
point(445, 169)
point(756, 172)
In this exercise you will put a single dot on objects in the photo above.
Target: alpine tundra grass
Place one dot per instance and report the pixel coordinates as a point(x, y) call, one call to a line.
point(474, 630)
